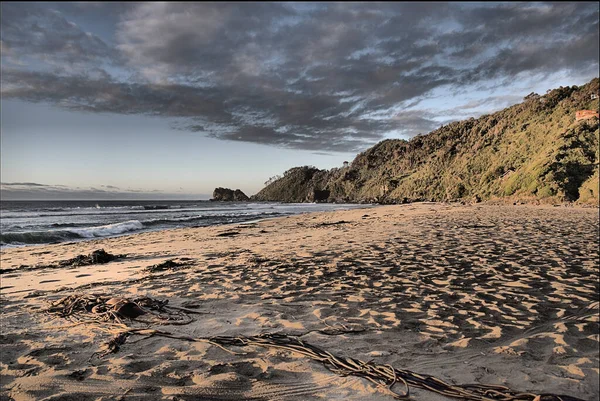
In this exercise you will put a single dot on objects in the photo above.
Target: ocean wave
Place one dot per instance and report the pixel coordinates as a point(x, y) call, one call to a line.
point(36, 237)
point(73, 211)
point(116, 211)
point(53, 236)
point(221, 216)
point(60, 231)
point(96, 207)
point(71, 225)
point(109, 229)
point(167, 220)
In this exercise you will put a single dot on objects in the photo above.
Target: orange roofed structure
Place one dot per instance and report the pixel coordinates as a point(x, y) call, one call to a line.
point(585, 114)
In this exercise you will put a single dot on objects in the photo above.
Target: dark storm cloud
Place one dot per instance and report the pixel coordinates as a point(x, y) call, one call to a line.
point(333, 77)
point(31, 31)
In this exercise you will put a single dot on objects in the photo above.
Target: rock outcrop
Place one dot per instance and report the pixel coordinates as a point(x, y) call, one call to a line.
point(239, 196)
point(229, 195)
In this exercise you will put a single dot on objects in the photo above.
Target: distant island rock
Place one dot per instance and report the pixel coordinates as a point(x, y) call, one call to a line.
point(229, 195)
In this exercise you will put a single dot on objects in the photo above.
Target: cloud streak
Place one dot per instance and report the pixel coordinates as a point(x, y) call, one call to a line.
point(319, 77)
point(35, 191)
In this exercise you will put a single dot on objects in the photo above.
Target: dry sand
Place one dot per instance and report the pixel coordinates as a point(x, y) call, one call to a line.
point(486, 294)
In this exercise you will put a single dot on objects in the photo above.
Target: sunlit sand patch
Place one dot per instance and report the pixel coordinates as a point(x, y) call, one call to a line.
point(371, 321)
point(390, 317)
point(520, 342)
point(595, 337)
point(560, 350)
point(253, 316)
point(355, 298)
point(572, 295)
point(573, 369)
point(438, 323)
point(559, 339)
point(529, 306)
point(586, 290)
point(505, 349)
point(498, 296)
point(291, 325)
point(214, 295)
point(560, 327)
point(432, 313)
point(516, 284)
point(473, 323)
point(559, 287)
point(495, 333)
point(462, 343)
point(495, 309)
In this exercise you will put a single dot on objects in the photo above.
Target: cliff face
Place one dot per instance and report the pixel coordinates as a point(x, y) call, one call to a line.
point(228, 195)
point(296, 185)
point(535, 150)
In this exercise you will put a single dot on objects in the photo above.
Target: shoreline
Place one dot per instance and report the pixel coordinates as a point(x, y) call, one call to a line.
point(72, 234)
point(478, 293)
point(492, 203)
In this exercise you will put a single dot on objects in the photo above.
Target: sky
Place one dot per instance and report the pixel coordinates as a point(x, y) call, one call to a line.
point(170, 100)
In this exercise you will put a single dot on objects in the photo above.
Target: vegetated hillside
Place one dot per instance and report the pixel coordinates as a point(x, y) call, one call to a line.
point(532, 151)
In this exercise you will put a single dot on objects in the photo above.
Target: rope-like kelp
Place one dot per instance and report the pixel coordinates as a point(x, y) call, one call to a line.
point(102, 310)
point(384, 376)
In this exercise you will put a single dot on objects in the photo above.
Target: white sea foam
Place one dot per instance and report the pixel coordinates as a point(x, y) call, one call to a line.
point(109, 229)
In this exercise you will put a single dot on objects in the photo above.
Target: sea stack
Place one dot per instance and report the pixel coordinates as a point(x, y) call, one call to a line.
point(229, 195)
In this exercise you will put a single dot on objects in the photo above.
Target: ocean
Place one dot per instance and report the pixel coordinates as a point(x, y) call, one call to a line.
point(25, 223)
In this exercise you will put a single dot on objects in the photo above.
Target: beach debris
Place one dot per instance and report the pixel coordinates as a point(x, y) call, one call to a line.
point(478, 226)
point(93, 308)
point(169, 264)
point(396, 382)
point(40, 253)
point(228, 234)
point(332, 224)
point(99, 256)
point(124, 308)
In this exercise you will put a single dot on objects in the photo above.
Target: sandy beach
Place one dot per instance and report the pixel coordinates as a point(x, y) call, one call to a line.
point(499, 295)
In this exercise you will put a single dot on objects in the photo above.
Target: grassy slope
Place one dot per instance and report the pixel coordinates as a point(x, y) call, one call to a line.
point(531, 151)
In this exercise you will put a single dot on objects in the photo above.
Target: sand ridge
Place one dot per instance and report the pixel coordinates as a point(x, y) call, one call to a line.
point(489, 294)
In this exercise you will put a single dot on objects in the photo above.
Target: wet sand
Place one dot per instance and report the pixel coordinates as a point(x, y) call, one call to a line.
point(471, 294)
